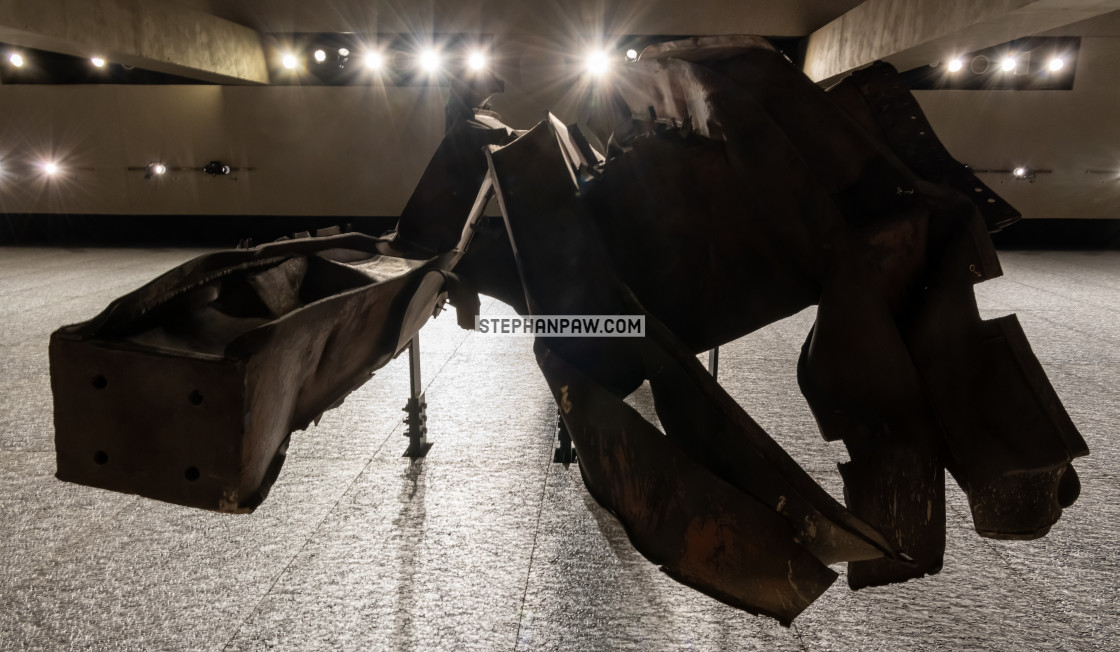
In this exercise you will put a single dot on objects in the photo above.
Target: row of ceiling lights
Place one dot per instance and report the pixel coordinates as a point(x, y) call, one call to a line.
point(980, 64)
point(16, 60)
point(431, 60)
point(597, 62)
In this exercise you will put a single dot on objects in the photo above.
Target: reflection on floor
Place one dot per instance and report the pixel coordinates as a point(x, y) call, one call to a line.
point(485, 544)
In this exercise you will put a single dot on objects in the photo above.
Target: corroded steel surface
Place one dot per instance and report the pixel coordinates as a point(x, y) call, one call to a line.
point(733, 192)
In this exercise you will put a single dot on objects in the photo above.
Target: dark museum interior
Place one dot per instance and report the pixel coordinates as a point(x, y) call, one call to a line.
point(249, 250)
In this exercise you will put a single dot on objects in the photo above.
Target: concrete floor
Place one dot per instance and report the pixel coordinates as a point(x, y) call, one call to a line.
point(485, 544)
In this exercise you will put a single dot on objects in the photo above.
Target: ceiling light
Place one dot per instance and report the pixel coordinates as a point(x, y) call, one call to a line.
point(155, 170)
point(98, 62)
point(597, 63)
point(477, 61)
point(320, 56)
point(429, 60)
point(631, 55)
point(50, 168)
point(16, 59)
point(289, 61)
point(1056, 64)
point(373, 60)
point(343, 52)
point(1023, 174)
point(955, 65)
point(1008, 64)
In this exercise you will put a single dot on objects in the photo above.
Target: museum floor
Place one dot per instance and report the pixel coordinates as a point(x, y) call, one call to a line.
point(486, 544)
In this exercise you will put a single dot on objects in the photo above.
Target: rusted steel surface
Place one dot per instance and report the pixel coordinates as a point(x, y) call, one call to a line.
point(847, 200)
point(701, 530)
point(733, 193)
point(187, 389)
point(764, 531)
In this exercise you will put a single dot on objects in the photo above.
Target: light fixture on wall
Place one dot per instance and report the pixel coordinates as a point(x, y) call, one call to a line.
point(216, 169)
point(160, 169)
point(1018, 173)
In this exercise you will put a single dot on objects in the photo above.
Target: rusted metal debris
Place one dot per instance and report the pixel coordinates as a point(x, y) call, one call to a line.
point(733, 192)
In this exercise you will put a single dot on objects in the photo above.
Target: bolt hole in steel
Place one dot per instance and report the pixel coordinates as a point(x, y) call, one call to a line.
point(101, 457)
point(195, 397)
point(191, 474)
point(99, 382)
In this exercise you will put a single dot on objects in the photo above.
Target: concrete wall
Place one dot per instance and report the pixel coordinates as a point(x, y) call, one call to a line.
point(314, 150)
point(510, 18)
point(352, 151)
point(1068, 132)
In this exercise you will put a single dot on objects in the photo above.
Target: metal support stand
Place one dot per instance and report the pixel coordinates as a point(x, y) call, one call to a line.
point(713, 362)
point(564, 453)
point(417, 406)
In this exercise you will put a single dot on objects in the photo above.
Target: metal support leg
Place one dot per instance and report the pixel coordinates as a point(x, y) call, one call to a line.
point(713, 362)
point(564, 453)
point(417, 406)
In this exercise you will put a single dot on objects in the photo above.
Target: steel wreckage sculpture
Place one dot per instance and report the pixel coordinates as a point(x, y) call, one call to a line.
point(733, 192)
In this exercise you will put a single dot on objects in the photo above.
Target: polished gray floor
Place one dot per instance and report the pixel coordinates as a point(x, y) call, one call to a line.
point(486, 545)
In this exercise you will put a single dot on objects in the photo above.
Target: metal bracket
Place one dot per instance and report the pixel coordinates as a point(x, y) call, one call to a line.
point(417, 406)
point(564, 453)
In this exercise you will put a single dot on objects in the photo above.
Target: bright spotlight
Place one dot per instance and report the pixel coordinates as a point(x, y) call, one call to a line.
point(343, 52)
point(16, 60)
point(1056, 64)
point(598, 63)
point(155, 170)
point(51, 168)
point(477, 61)
point(289, 61)
point(98, 62)
point(631, 55)
point(1008, 64)
point(374, 60)
point(429, 60)
point(1020, 172)
point(320, 56)
point(955, 65)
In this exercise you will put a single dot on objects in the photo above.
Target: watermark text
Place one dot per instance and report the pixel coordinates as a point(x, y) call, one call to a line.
point(563, 326)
